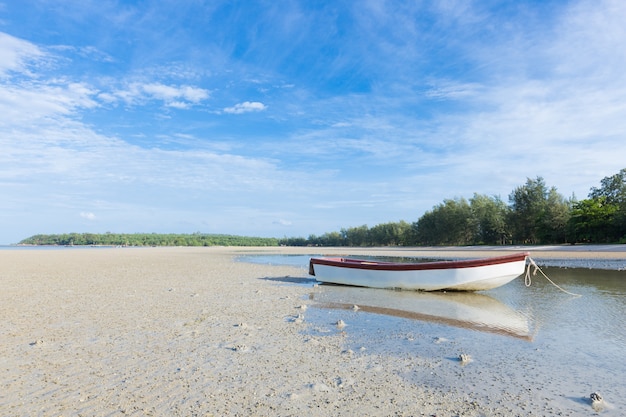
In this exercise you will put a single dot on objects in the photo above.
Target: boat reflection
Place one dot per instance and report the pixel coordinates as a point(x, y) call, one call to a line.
point(466, 310)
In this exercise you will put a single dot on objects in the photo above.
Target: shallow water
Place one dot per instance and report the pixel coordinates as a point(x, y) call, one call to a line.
point(537, 346)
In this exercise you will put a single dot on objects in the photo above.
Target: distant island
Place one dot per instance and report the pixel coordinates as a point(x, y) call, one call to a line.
point(146, 239)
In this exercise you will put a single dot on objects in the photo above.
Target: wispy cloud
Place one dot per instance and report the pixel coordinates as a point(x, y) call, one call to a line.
point(17, 55)
point(87, 215)
point(170, 93)
point(137, 93)
point(245, 107)
point(39, 101)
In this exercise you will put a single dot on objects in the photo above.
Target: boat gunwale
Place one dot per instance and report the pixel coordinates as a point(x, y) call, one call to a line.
point(423, 266)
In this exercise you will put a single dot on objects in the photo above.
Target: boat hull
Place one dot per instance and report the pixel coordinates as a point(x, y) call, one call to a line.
point(472, 275)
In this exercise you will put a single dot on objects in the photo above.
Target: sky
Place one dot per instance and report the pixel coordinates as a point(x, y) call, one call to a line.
point(294, 117)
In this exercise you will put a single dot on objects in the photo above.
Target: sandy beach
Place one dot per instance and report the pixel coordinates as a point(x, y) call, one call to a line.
point(191, 332)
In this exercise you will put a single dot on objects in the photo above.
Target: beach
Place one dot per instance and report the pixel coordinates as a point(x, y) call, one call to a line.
point(193, 332)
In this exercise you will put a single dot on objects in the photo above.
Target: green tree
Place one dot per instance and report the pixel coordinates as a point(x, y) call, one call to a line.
point(489, 214)
point(332, 239)
point(555, 217)
point(613, 189)
point(527, 206)
point(592, 221)
point(538, 214)
point(389, 234)
point(449, 223)
point(602, 217)
point(356, 236)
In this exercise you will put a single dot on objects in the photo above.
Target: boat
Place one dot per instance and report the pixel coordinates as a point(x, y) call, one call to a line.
point(461, 275)
point(466, 310)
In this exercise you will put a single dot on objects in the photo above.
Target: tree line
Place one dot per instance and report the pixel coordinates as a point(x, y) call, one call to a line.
point(535, 214)
point(147, 239)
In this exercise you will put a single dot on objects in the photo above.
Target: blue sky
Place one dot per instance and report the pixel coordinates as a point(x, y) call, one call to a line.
point(290, 118)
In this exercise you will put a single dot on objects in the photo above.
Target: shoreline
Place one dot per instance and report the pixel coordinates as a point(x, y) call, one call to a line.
point(190, 331)
point(609, 251)
point(607, 257)
point(616, 251)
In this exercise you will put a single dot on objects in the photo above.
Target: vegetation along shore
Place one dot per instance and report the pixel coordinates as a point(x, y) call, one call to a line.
point(536, 214)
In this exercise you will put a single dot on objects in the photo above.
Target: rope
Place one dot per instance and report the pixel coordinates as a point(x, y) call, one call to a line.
point(528, 280)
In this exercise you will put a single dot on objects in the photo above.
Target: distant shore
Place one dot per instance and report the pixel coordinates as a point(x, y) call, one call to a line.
point(539, 252)
point(611, 257)
point(613, 251)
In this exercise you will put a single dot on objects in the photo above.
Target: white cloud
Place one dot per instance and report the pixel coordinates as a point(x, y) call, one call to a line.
point(137, 93)
point(37, 101)
point(246, 107)
point(169, 93)
point(16, 54)
point(178, 105)
point(88, 215)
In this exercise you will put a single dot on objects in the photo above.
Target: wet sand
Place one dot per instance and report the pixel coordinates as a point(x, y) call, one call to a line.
point(546, 252)
point(191, 332)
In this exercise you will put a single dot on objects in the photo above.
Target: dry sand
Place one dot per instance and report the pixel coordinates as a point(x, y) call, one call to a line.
point(189, 332)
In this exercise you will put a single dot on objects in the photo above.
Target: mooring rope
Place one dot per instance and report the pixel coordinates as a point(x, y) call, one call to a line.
point(528, 280)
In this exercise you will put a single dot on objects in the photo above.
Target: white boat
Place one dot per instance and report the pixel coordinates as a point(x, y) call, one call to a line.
point(467, 310)
point(464, 275)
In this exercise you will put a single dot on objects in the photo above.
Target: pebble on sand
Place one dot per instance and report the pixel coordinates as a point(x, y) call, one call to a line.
point(464, 358)
point(597, 402)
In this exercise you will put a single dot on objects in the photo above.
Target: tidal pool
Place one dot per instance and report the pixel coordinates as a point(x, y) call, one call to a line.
point(535, 346)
